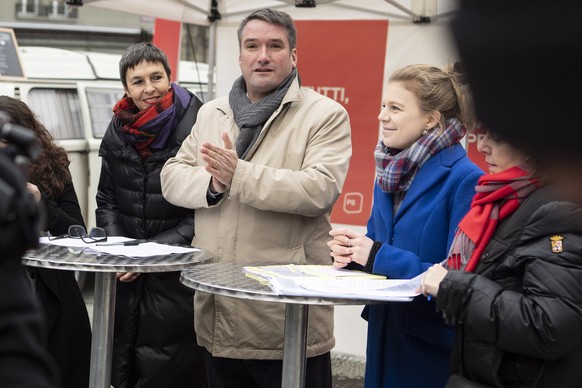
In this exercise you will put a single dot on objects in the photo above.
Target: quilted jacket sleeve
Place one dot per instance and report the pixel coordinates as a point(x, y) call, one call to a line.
point(542, 316)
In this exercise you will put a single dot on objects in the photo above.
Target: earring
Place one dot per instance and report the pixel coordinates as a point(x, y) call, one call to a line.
point(425, 132)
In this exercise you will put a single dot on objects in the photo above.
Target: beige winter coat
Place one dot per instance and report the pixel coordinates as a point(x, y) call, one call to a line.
point(276, 211)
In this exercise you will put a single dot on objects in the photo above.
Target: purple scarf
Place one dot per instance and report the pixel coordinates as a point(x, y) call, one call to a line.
point(152, 127)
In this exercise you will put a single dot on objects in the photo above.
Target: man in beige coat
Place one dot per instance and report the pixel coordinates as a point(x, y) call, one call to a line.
point(263, 168)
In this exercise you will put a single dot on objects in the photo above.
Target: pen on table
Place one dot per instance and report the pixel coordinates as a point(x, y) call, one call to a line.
point(428, 296)
point(293, 269)
point(123, 243)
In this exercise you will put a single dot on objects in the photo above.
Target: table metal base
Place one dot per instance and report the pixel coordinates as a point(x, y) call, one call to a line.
point(102, 340)
point(294, 360)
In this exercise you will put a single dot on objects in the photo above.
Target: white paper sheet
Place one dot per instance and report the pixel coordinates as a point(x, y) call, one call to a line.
point(284, 286)
point(142, 250)
point(326, 281)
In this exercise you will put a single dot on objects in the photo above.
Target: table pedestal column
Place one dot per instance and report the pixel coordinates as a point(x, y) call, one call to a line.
point(295, 346)
point(102, 340)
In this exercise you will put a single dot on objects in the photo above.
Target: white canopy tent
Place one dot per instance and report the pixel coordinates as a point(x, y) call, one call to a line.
point(203, 12)
point(420, 20)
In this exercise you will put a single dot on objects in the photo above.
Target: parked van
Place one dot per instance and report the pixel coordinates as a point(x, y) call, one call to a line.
point(73, 93)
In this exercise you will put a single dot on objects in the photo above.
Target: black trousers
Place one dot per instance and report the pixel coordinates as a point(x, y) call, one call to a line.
point(236, 373)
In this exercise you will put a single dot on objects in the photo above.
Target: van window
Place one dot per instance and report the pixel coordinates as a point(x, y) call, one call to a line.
point(101, 103)
point(59, 110)
point(200, 92)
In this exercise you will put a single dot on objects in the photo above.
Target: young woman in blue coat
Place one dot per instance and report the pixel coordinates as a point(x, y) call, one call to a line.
point(424, 185)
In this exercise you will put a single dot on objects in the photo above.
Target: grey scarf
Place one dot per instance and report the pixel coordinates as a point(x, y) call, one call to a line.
point(250, 117)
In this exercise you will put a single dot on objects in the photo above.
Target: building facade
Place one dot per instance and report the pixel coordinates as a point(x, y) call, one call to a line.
point(53, 23)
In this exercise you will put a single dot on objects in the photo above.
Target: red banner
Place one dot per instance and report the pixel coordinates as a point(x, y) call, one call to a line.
point(167, 36)
point(477, 157)
point(344, 60)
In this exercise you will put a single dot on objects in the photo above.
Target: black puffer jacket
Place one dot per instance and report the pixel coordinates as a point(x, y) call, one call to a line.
point(129, 195)
point(154, 339)
point(519, 316)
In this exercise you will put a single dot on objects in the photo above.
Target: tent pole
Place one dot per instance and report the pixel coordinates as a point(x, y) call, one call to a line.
point(403, 8)
point(211, 60)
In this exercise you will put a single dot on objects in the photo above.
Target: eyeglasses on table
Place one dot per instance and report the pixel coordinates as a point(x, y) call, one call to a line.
point(78, 231)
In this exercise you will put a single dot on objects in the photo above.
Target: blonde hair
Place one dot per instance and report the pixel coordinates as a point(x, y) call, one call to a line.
point(438, 90)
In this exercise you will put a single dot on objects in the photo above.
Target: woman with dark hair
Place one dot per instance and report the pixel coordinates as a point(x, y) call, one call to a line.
point(66, 319)
point(155, 341)
point(511, 283)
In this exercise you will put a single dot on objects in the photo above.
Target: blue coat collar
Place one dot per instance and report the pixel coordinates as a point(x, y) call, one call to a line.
point(432, 171)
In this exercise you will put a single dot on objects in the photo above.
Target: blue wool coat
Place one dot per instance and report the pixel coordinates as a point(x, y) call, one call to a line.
point(408, 343)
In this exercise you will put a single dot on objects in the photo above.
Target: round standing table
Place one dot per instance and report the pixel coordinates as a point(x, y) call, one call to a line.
point(105, 267)
point(228, 279)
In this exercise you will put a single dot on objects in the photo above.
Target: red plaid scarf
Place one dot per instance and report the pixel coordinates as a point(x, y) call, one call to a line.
point(498, 196)
point(135, 124)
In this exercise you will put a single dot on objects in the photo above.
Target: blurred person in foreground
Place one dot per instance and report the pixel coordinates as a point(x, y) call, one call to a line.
point(523, 61)
point(424, 184)
point(263, 168)
point(154, 341)
point(511, 283)
point(66, 320)
point(24, 359)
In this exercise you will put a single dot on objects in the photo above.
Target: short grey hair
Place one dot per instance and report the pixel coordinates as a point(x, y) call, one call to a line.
point(271, 16)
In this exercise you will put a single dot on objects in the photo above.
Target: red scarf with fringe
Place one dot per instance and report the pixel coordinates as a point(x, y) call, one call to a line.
point(498, 196)
point(142, 127)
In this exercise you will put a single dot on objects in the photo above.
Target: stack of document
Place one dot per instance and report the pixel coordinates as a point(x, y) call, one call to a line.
point(330, 282)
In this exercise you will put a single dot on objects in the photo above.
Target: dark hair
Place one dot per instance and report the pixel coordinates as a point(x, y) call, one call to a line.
point(271, 16)
point(50, 171)
point(500, 44)
point(459, 69)
point(142, 52)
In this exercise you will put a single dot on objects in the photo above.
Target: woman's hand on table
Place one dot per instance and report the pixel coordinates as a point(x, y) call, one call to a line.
point(348, 246)
point(429, 285)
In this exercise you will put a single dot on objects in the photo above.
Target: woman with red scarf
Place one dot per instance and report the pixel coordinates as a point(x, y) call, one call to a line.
point(155, 342)
point(511, 283)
